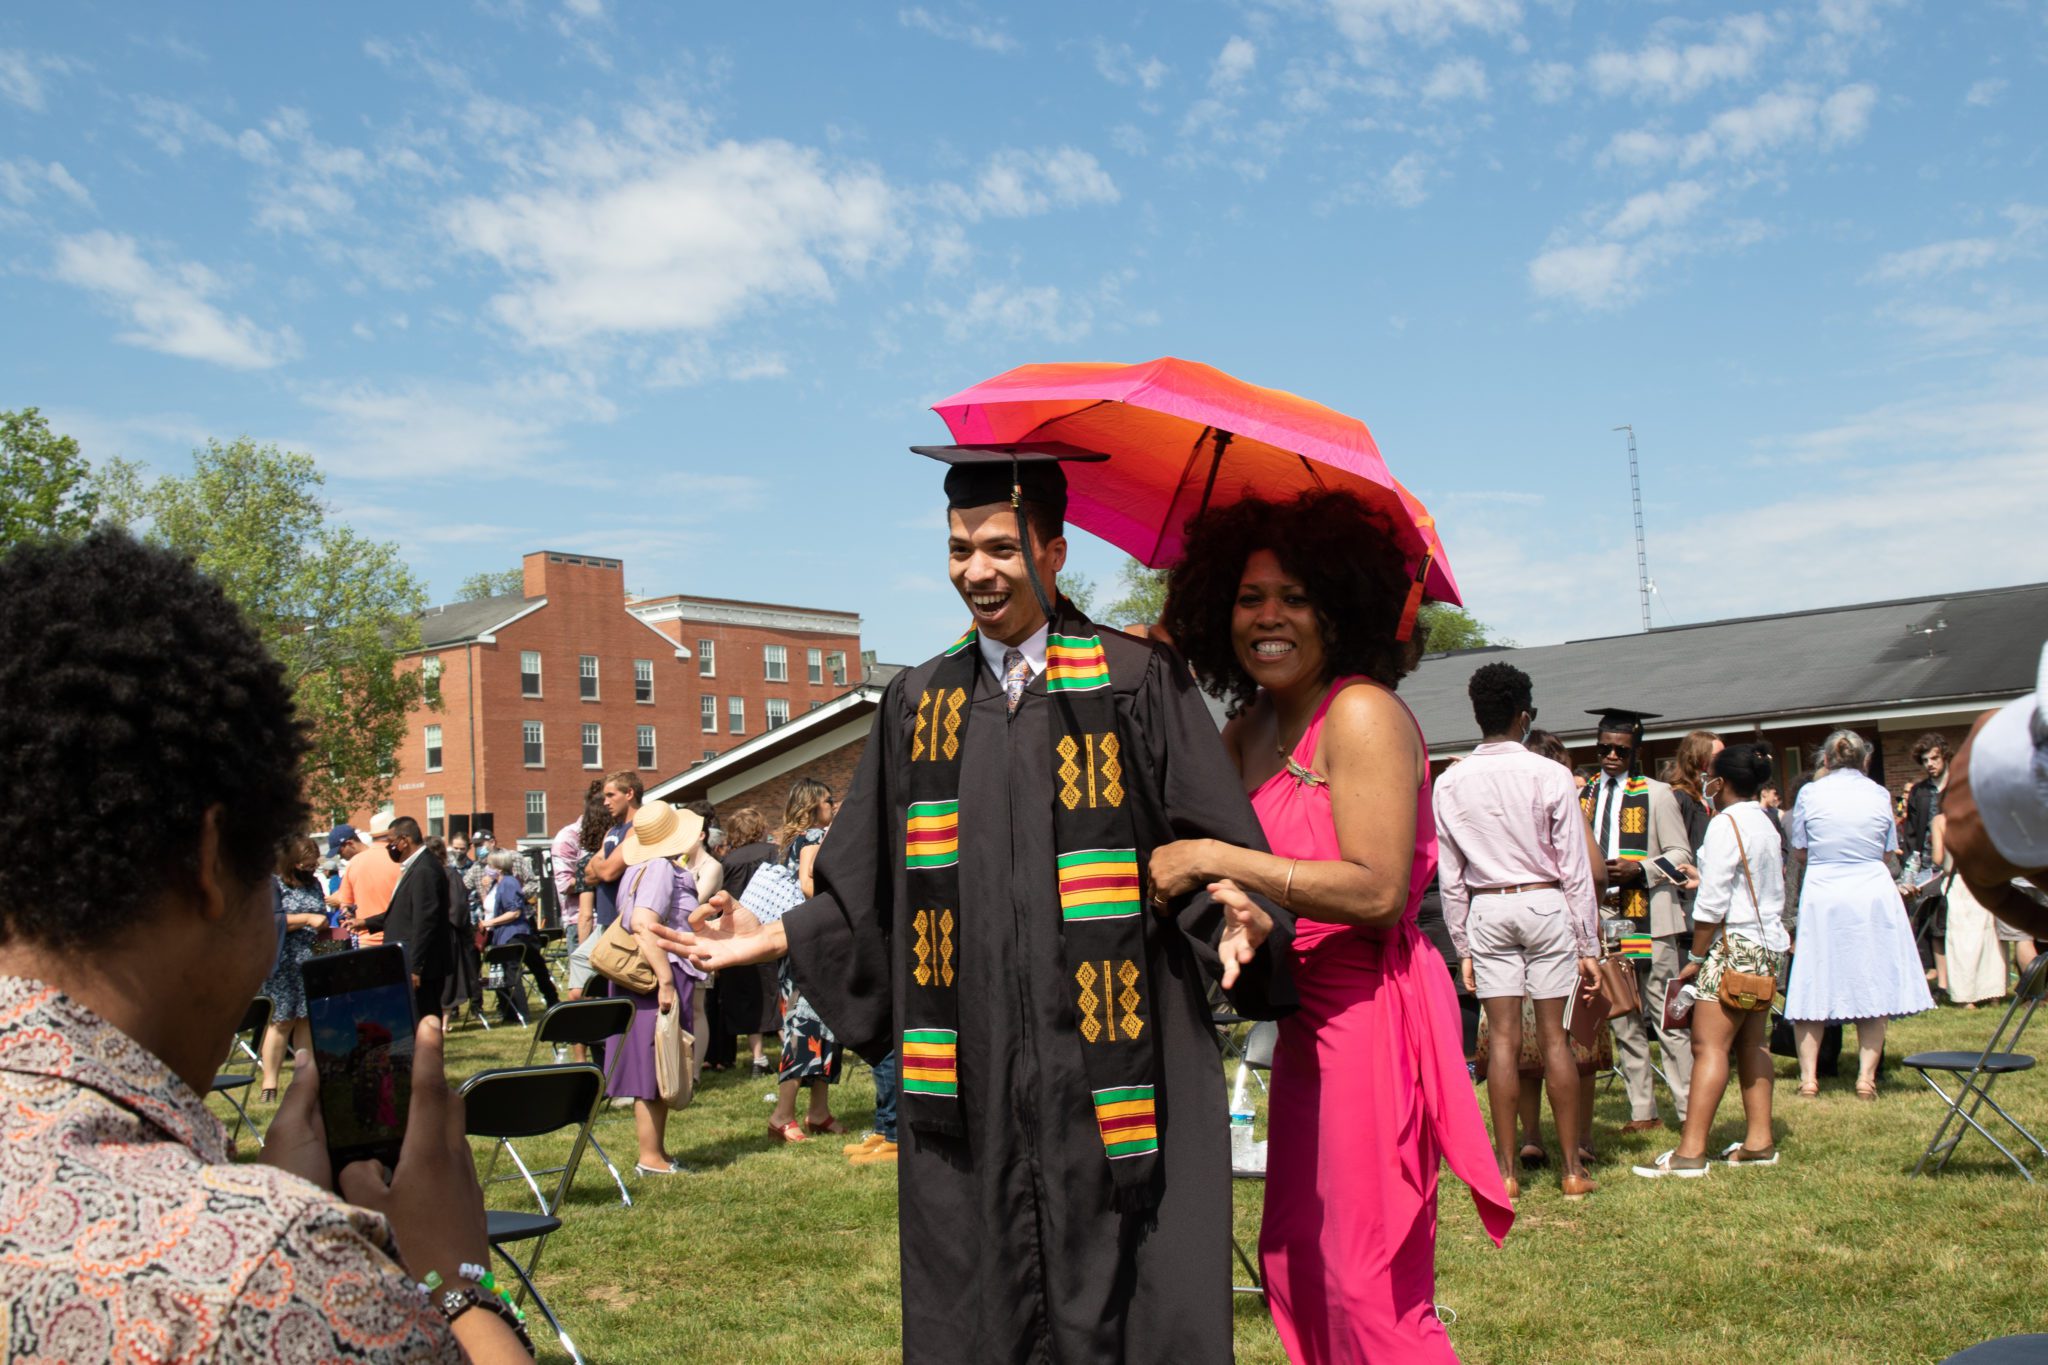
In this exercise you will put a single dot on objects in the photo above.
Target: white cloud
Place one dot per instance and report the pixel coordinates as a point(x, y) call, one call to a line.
point(1017, 312)
point(1120, 65)
point(585, 9)
point(2029, 224)
point(1985, 93)
point(167, 310)
point(1232, 65)
point(1461, 78)
point(1669, 207)
point(1663, 71)
point(1021, 184)
point(1552, 82)
point(21, 77)
point(455, 430)
point(22, 182)
point(989, 38)
point(1367, 23)
point(1406, 182)
point(658, 230)
point(1775, 121)
point(1590, 274)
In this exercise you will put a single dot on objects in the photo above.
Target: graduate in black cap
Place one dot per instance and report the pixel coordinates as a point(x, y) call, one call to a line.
point(1636, 818)
point(983, 909)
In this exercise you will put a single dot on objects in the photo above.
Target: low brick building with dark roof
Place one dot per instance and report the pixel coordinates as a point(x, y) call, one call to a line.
point(1890, 670)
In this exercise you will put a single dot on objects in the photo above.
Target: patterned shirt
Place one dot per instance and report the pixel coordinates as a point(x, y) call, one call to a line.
point(126, 1233)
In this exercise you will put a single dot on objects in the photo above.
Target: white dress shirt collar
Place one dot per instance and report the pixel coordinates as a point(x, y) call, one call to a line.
point(1034, 651)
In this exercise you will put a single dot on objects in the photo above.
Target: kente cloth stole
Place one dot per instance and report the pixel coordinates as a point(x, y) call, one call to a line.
point(1632, 841)
point(1102, 906)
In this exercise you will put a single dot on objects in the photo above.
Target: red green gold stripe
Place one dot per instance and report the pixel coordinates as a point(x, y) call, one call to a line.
point(1128, 1121)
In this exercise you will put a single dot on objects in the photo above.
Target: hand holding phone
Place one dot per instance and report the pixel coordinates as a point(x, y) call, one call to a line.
point(360, 1007)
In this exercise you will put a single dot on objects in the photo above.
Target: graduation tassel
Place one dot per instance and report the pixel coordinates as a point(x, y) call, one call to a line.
point(1413, 610)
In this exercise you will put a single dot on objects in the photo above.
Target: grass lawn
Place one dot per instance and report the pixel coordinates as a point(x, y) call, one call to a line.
point(787, 1255)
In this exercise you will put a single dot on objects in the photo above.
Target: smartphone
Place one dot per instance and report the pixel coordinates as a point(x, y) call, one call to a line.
point(1668, 868)
point(360, 1007)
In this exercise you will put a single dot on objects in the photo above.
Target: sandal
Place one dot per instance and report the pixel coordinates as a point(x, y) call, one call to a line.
point(269, 1095)
point(787, 1132)
point(1808, 1090)
point(1671, 1163)
point(830, 1125)
point(1866, 1092)
point(1533, 1157)
point(1735, 1154)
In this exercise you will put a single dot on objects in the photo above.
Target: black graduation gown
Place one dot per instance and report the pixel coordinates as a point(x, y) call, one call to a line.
point(1012, 1250)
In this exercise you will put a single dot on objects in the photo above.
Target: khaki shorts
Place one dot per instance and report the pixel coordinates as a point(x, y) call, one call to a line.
point(581, 973)
point(1521, 944)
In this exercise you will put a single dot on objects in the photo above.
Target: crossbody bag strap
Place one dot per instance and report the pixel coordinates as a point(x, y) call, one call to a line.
point(1743, 853)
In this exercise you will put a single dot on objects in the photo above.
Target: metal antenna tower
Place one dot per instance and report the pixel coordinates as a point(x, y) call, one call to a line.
point(1635, 492)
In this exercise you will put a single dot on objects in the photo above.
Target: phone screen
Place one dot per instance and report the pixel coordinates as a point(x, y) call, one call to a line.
point(1668, 868)
point(360, 1007)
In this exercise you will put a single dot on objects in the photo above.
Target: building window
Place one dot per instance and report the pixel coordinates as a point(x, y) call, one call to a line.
point(437, 816)
point(708, 705)
point(778, 712)
point(586, 673)
point(593, 745)
point(817, 705)
point(776, 657)
point(643, 680)
point(814, 666)
point(643, 746)
point(430, 679)
point(535, 754)
point(433, 737)
point(529, 672)
point(536, 815)
point(736, 715)
point(707, 658)
point(836, 661)
point(709, 754)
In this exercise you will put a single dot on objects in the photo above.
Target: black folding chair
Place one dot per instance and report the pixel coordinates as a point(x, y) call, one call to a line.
point(1256, 1057)
point(229, 1084)
point(507, 958)
point(584, 1022)
point(523, 1103)
point(1977, 1072)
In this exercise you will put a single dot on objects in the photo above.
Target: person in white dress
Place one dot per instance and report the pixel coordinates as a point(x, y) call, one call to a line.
point(1854, 957)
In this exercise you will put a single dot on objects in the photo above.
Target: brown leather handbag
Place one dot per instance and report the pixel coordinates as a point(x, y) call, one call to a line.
point(1618, 984)
point(1749, 991)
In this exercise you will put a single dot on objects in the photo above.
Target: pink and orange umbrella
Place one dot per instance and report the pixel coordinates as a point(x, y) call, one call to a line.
point(1182, 437)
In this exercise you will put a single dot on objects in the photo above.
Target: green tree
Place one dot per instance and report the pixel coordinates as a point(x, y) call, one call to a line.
point(1446, 628)
point(500, 584)
point(1144, 596)
point(46, 487)
point(1079, 589)
point(336, 609)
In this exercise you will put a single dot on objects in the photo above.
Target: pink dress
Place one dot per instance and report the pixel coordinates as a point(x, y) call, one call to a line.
point(1369, 1093)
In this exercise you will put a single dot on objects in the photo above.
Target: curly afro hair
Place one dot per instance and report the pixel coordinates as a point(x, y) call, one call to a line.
point(1499, 693)
point(133, 697)
point(1342, 553)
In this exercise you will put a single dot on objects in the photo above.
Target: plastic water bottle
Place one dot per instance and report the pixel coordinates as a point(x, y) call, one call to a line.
point(1688, 996)
point(1242, 1149)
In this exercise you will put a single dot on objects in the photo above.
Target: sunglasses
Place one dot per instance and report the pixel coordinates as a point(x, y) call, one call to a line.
point(1605, 749)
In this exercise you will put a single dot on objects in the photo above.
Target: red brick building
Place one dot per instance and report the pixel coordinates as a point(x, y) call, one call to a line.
point(755, 666)
point(544, 690)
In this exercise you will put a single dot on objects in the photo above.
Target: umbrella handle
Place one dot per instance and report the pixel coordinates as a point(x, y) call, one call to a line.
point(1413, 608)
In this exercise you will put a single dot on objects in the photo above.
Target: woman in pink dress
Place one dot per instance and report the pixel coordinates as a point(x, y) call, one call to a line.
point(1291, 613)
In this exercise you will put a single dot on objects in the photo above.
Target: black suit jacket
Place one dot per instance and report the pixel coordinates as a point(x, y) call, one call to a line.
point(418, 918)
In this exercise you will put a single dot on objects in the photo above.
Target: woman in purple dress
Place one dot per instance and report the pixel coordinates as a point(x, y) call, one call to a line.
point(655, 891)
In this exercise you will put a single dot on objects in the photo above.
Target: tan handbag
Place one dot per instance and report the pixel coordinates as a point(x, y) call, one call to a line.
point(675, 1058)
point(616, 955)
point(1745, 990)
point(1618, 984)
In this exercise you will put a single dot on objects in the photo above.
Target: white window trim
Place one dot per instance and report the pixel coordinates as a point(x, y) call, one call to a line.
point(531, 815)
point(769, 662)
point(538, 686)
point(585, 743)
point(442, 817)
point(736, 710)
point(428, 747)
point(653, 760)
point(596, 688)
point(708, 715)
point(707, 658)
point(647, 700)
point(541, 743)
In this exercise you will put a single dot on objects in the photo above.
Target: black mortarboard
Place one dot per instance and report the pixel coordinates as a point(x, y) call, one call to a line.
point(981, 474)
point(1622, 718)
point(1015, 472)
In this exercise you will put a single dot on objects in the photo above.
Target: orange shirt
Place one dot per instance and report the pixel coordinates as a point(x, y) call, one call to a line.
point(367, 881)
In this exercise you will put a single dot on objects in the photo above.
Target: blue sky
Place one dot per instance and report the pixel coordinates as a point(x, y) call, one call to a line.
point(677, 282)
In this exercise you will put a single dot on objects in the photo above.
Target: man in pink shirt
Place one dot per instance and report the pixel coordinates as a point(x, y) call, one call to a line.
point(1517, 887)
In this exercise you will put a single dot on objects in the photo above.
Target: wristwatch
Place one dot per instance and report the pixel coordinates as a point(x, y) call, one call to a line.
point(454, 1302)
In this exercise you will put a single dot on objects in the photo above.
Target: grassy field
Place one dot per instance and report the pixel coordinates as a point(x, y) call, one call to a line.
point(787, 1255)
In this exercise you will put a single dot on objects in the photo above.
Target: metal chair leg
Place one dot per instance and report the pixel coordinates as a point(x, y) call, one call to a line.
point(531, 1184)
point(527, 1289)
point(1257, 1286)
point(624, 1196)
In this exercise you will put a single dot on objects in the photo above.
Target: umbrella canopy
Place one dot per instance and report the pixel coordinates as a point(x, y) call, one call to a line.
point(1181, 437)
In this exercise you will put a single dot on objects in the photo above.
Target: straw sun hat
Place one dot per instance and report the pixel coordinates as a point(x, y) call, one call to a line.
point(660, 831)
